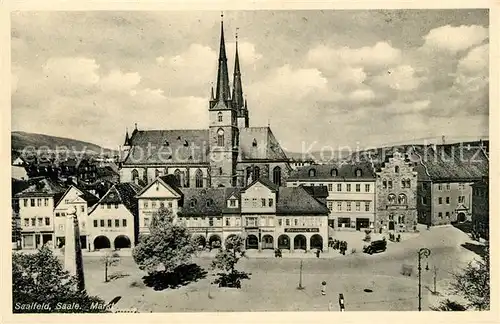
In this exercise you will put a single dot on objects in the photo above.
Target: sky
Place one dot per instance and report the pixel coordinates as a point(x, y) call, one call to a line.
point(332, 78)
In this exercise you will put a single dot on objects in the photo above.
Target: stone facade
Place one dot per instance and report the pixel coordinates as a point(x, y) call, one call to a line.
point(396, 195)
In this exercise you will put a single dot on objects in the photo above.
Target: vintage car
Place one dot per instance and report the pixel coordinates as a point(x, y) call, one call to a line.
point(375, 246)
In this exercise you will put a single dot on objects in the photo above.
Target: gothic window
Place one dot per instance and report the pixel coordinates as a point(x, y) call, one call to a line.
point(249, 174)
point(135, 174)
point(277, 176)
point(334, 172)
point(219, 117)
point(199, 179)
point(220, 137)
point(257, 172)
point(359, 173)
point(402, 199)
point(396, 169)
point(392, 199)
point(312, 173)
point(178, 177)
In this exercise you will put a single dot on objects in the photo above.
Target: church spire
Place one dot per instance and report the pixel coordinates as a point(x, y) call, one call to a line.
point(222, 89)
point(237, 87)
point(127, 138)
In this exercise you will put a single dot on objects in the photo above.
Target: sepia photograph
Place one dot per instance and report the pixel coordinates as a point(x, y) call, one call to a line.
point(250, 160)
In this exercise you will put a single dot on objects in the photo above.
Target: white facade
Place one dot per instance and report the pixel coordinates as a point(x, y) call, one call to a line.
point(37, 221)
point(110, 226)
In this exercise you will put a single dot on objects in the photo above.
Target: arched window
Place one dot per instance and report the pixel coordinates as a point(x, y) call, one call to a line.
point(192, 203)
point(219, 117)
point(359, 173)
point(256, 172)
point(396, 169)
point(408, 183)
point(178, 178)
point(220, 137)
point(391, 199)
point(135, 174)
point(199, 179)
point(210, 202)
point(277, 176)
point(334, 172)
point(402, 199)
point(312, 173)
point(248, 174)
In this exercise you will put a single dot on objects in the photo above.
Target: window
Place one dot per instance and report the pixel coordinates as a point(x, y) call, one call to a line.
point(254, 143)
point(447, 200)
point(367, 187)
point(339, 206)
point(227, 221)
point(389, 183)
point(153, 204)
point(219, 117)
point(117, 223)
point(348, 206)
point(348, 187)
point(448, 186)
point(384, 184)
point(359, 173)
point(339, 187)
point(178, 178)
point(280, 222)
point(271, 202)
point(440, 200)
point(135, 175)
point(256, 172)
point(116, 206)
point(220, 137)
point(358, 187)
point(263, 201)
point(312, 173)
point(408, 183)
point(145, 204)
point(358, 206)
point(169, 204)
point(424, 200)
point(287, 222)
point(440, 187)
point(199, 179)
point(403, 183)
point(461, 199)
point(330, 187)
point(57, 214)
point(367, 206)
point(33, 222)
point(102, 222)
point(277, 176)
point(334, 173)
point(26, 222)
point(47, 221)
point(124, 222)
point(46, 202)
point(402, 199)
point(330, 205)
point(162, 204)
point(66, 201)
point(82, 208)
point(440, 214)
point(391, 199)
point(95, 223)
point(396, 169)
point(146, 221)
point(110, 223)
point(232, 202)
point(344, 222)
point(295, 221)
point(40, 221)
point(109, 206)
point(209, 202)
point(447, 214)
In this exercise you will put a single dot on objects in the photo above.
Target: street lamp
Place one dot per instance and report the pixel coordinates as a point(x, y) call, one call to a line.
point(423, 252)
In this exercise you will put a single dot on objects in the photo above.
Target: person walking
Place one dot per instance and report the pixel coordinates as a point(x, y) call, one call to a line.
point(323, 288)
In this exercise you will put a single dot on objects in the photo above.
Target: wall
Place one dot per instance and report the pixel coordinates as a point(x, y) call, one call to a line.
point(453, 193)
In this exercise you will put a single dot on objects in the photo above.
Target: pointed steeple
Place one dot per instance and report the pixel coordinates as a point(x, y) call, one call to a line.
point(237, 87)
point(222, 88)
point(127, 138)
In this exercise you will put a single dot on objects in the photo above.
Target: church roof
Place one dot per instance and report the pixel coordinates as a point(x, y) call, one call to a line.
point(168, 147)
point(259, 143)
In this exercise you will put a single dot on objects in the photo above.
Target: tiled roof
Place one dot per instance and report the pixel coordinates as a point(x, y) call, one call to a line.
point(203, 201)
point(317, 191)
point(266, 182)
point(298, 201)
point(90, 198)
point(168, 146)
point(106, 171)
point(122, 193)
point(259, 143)
point(42, 187)
point(452, 163)
point(346, 170)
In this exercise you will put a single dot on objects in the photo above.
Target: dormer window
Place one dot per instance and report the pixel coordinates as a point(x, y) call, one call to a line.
point(210, 202)
point(312, 173)
point(359, 173)
point(334, 173)
point(232, 202)
point(192, 203)
point(254, 143)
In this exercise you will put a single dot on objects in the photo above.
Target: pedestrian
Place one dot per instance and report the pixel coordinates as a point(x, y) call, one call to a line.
point(317, 253)
point(323, 288)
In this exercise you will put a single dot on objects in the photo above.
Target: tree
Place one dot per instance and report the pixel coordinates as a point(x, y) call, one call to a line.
point(168, 246)
point(473, 283)
point(110, 259)
point(40, 278)
point(226, 261)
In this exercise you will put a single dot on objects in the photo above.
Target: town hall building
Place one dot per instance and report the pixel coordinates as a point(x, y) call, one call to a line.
point(229, 153)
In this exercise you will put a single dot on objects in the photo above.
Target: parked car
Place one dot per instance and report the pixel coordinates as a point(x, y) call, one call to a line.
point(375, 246)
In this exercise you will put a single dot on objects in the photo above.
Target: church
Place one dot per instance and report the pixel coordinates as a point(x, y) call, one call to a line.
point(229, 153)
